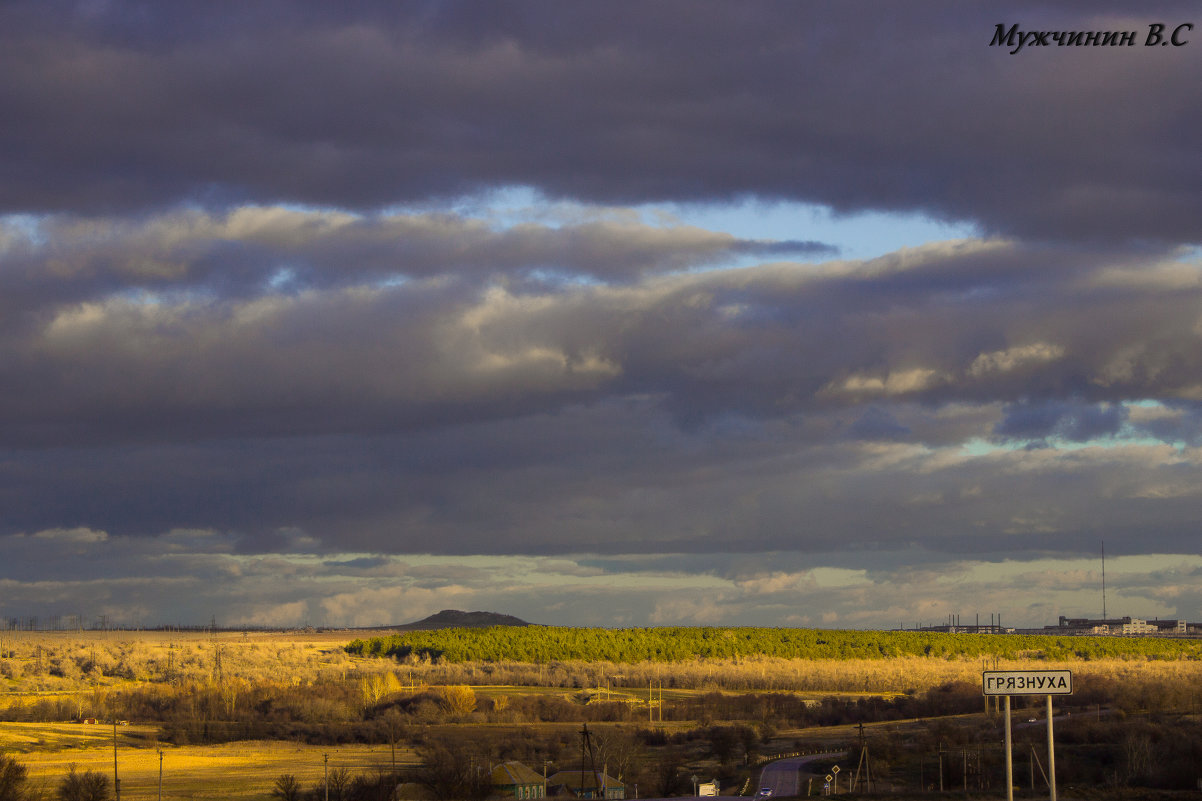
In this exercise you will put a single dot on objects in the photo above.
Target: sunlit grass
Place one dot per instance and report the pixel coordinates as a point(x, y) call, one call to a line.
point(245, 769)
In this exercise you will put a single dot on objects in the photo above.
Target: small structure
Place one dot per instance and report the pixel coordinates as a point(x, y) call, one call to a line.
point(586, 784)
point(709, 788)
point(515, 780)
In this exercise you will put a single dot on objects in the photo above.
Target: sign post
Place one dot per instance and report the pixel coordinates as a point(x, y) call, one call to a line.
point(1028, 682)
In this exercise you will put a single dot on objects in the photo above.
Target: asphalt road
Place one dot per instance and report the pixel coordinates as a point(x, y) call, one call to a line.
point(784, 775)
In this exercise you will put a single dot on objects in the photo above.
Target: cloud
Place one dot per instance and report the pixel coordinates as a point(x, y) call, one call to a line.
point(1075, 422)
point(667, 412)
point(74, 535)
point(298, 298)
point(363, 108)
point(1002, 361)
point(158, 580)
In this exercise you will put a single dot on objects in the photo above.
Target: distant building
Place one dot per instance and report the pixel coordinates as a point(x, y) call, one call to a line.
point(1120, 625)
point(1137, 626)
point(515, 780)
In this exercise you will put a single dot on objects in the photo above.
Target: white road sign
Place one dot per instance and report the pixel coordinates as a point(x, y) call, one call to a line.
point(1027, 682)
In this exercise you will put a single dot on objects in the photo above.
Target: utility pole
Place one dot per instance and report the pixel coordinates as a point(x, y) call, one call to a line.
point(116, 781)
point(160, 774)
point(1051, 755)
point(1009, 757)
point(326, 780)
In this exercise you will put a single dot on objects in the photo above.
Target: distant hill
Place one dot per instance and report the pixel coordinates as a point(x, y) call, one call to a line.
point(455, 619)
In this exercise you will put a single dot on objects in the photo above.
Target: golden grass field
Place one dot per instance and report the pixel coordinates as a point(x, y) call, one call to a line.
point(81, 667)
point(243, 770)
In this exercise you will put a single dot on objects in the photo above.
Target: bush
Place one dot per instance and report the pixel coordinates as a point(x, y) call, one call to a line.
point(12, 779)
point(86, 786)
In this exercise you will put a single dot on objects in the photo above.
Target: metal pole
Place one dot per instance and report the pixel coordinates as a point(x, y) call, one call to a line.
point(326, 779)
point(160, 774)
point(941, 767)
point(116, 781)
point(1051, 754)
point(1009, 757)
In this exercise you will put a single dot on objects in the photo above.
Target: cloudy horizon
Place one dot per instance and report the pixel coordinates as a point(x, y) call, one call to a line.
point(599, 314)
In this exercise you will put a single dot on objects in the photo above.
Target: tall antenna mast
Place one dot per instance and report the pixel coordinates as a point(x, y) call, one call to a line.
point(1103, 580)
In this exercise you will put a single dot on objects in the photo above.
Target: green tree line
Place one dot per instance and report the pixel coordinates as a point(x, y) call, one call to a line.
point(541, 644)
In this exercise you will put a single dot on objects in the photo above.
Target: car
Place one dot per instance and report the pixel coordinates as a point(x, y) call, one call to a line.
point(1032, 720)
point(764, 792)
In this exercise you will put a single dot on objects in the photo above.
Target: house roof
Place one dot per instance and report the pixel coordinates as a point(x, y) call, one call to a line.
point(514, 773)
point(583, 778)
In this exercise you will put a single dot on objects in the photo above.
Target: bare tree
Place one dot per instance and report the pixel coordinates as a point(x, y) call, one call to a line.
point(616, 750)
point(287, 788)
point(449, 773)
point(668, 772)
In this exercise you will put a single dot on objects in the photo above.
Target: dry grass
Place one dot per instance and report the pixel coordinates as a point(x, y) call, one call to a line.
point(243, 770)
point(82, 665)
point(78, 662)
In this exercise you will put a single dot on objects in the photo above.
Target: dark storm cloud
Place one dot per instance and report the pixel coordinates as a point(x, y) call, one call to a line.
point(877, 423)
point(1075, 422)
point(616, 478)
point(1176, 423)
point(248, 251)
point(974, 322)
point(855, 106)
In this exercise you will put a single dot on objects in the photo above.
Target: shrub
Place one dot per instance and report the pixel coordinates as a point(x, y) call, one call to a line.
point(12, 779)
point(86, 786)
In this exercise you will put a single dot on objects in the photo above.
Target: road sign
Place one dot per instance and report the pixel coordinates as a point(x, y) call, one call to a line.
point(1027, 682)
point(835, 770)
point(829, 778)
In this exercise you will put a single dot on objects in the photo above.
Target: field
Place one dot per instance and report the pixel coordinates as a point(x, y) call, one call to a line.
point(242, 770)
point(233, 711)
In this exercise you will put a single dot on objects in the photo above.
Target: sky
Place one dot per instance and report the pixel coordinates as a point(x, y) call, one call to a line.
point(615, 313)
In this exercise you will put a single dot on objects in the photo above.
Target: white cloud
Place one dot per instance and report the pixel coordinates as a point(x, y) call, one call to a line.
point(72, 535)
point(901, 382)
point(1002, 361)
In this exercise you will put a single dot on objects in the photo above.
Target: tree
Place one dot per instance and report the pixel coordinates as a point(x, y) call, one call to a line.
point(618, 750)
point(12, 779)
point(668, 772)
point(394, 723)
point(448, 773)
point(86, 786)
point(723, 740)
point(381, 787)
point(751, 743)
point(287, 788)
point(338, 782)
point(459, 699)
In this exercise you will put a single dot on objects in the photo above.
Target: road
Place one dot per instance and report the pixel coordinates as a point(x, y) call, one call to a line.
point(784, 775)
